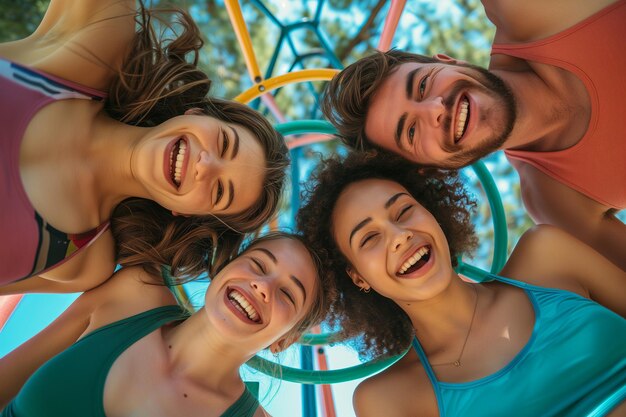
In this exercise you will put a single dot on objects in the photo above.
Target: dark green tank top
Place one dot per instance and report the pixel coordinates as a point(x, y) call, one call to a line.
point(71, 384)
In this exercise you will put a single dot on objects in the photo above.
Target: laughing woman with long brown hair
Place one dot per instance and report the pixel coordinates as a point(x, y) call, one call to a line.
point(107, 126)
point(127, 349)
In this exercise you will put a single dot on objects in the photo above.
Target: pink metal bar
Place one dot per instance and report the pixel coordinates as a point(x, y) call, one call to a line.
point(8, 303)
point(391, 24)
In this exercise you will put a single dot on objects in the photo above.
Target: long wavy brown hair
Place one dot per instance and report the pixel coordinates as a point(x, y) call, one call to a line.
point(375, 324)
point(159, 80)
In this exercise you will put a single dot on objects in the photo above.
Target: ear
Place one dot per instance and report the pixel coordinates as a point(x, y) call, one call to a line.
point(448, 59)
point(356, 278)
point(195, 111)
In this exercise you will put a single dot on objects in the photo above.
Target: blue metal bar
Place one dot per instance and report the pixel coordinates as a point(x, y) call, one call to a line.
point(331, 55)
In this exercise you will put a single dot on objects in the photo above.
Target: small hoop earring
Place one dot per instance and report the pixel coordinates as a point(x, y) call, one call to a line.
point(366, 290)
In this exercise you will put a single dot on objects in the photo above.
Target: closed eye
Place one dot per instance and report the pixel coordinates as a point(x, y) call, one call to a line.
point(225, 144)
point(367, 239)
point(259, 266)
point(289, 296)
point(403, 212)
point(219, 193)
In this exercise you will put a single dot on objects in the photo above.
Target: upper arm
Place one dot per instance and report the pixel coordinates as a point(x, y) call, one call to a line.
point(529, 20)
point(84, 41)
point(17, 366)
point(551, 202)
point(369, 401)
point(548, 256)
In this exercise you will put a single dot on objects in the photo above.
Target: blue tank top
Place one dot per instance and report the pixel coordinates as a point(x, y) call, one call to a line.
point(72, 383)
point(574, 364)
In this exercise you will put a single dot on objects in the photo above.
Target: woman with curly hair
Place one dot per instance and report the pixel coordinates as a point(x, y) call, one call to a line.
point(105, 103)
point(127, 349)
point(392, 233)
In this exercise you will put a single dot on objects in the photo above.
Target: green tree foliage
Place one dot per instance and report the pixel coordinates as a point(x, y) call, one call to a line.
point(19, 19)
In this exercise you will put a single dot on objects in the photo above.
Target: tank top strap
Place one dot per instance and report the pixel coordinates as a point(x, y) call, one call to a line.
point(245, 406)
point(431, 375)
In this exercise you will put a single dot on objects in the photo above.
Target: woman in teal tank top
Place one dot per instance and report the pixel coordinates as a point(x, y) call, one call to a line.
point(126, 348)
point(535, 345)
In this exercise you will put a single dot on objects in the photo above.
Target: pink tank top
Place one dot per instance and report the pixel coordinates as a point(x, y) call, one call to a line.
point(595, 51)
point(28, 245)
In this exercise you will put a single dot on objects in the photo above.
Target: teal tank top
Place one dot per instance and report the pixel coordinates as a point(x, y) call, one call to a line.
point(71, 384)
point(574, 364)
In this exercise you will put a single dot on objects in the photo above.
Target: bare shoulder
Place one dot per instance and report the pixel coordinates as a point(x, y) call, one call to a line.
point(80, 41)
point(402, 390)
point(548, 256)
point(525, 21)
point(130, 291)
point(542, 257)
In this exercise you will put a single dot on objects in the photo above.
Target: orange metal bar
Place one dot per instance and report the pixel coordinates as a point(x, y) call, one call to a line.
point(284, 79)
point(243, 36)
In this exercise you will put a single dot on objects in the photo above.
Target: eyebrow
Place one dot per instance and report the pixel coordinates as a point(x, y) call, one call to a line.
point(362, 224)
point(236, 143)
point(394, 198)
point(299, 284)
point(293, 277)
point(410, 80)
point(358, 227)
point(399, 130)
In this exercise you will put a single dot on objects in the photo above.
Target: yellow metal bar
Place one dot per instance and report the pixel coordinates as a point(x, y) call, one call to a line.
point(281, 80)
point(243, 36)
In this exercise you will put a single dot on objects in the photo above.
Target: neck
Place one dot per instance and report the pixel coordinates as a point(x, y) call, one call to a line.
point(440, 321)
point(200, 355)
point(111, 152)
point(540, 119)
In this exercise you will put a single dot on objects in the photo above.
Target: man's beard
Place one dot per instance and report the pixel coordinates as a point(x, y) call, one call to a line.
point(493, 86)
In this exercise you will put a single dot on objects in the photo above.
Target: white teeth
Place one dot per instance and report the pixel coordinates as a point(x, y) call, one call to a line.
point(461, 119)
point(413, 259)
point(178, 165)
point(243, 305)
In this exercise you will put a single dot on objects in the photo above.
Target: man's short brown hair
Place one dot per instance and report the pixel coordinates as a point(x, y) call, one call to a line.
point(348, 95)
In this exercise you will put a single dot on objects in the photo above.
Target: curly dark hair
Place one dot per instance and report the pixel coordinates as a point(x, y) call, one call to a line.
point(347, 97)
point(376, 325)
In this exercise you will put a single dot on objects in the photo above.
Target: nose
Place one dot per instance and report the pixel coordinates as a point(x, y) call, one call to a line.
point(430, 111)
point(400, 238)
point(262, 288)
point(207, 166)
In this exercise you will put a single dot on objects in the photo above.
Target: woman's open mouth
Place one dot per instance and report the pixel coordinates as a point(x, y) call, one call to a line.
point(177, 161)
point(416, 261)
point(243, 306)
